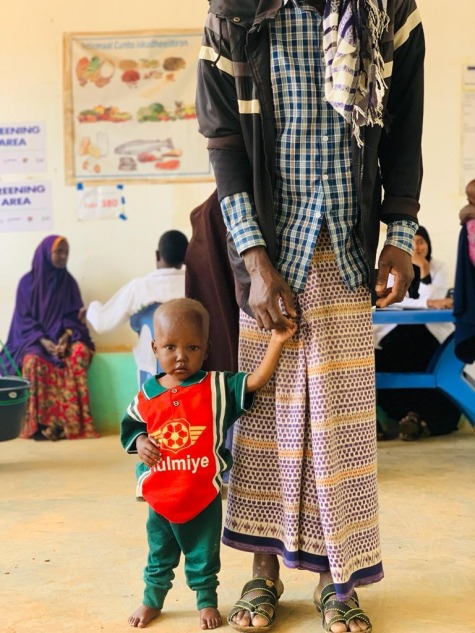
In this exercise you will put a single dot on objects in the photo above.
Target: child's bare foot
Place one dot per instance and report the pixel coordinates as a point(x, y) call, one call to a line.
point(143, 616)
point(210, 618)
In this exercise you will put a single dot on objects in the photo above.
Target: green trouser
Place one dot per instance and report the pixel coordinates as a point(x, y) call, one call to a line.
point(199, 540)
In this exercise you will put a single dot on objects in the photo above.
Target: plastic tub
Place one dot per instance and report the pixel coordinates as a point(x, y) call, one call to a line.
point(14, 393)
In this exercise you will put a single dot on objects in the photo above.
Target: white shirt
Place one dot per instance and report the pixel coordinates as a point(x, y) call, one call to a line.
point(437, 289)
point(158, 286)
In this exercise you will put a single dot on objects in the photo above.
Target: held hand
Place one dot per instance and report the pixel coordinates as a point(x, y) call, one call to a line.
point(267, 288)
point(148, 450)
point(284, 334)
point(397, 262)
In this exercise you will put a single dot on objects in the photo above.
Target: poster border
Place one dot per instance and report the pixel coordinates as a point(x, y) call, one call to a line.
point(68, 113)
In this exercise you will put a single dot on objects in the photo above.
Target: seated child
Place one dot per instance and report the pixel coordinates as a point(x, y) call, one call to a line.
point(177, 424)
point(467, 216)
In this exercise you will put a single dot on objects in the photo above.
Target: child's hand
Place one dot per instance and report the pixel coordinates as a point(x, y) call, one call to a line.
point(148, 450)
point(280, 336)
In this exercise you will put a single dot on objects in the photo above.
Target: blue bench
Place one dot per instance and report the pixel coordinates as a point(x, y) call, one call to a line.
point(445, 371)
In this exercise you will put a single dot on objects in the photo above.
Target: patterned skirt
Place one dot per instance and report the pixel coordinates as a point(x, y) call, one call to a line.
point(58, 404)
point(304, 481)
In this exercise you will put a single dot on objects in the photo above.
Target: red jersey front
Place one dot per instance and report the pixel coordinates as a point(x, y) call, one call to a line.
point(189, 423)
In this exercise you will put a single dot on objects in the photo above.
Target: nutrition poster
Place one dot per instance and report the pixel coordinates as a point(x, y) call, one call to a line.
point(130, 108)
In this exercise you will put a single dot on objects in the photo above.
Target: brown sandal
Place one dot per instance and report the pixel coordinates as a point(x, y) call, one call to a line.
point(412, 428)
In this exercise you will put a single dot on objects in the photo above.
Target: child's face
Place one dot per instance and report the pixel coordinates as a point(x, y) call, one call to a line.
point(180, 346)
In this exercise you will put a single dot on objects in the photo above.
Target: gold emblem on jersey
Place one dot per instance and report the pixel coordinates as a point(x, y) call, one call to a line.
point(176, 435)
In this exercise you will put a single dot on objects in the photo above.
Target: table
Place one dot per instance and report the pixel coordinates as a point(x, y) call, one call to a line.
point(445, 371)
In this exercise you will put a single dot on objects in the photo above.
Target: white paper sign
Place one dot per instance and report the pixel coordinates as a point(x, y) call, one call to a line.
point(22, 148)
point(101, 203)
point(25, 206)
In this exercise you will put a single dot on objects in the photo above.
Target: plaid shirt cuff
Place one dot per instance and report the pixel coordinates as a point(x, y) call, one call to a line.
point(401, 234)
point(240, 219)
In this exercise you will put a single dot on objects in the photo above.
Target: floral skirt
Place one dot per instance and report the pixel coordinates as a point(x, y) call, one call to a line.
point(59, 399)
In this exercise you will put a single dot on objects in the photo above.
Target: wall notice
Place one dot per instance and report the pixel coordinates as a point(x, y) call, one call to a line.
point(22, 148)
point(130, 108)
point(25, 206)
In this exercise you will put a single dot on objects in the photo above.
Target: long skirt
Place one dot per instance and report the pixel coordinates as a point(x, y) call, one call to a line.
point(59, 399)
point(304, 482)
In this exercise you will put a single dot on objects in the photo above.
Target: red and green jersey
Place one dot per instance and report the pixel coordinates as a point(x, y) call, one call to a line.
point(189, 422)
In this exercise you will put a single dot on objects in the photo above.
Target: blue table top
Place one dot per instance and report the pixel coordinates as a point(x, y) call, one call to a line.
point(407, 317)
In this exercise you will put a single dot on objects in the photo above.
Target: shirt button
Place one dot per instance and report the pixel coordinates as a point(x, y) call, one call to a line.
point(236, 19)
point(174, 390)
point(324, 138)
point(325, 177)
point(175, 403)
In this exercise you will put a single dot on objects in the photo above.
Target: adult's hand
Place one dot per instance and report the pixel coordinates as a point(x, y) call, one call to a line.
point(399, 263)
point(49, 346)
point(467, 213)
point(267, 288)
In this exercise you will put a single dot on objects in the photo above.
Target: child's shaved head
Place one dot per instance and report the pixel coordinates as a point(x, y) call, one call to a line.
point(187, 309)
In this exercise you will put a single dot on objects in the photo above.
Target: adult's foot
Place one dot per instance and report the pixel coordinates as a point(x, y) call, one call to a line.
point(354, 626)
point(264, 566)
point(143, 616)
point(210, 618)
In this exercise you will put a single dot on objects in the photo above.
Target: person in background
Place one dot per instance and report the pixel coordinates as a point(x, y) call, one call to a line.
point(310, 108)
point(209, 279)
point(467, 218)
point(464, 290)
point(177, 425)
point(166, 282)
point(409, 348)
point(51, 345)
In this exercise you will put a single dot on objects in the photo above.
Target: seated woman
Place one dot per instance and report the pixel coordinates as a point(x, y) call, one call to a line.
point(414, 413)
point(52, 347)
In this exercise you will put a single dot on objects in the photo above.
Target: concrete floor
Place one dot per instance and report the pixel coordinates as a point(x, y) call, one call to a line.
point(73, 543)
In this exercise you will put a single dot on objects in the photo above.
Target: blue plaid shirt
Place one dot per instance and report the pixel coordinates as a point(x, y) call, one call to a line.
point(313, 162)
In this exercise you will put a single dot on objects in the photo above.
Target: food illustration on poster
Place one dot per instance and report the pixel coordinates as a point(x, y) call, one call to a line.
point(130, 113)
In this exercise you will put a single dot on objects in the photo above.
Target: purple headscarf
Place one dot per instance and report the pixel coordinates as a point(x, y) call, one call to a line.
point(47, 303)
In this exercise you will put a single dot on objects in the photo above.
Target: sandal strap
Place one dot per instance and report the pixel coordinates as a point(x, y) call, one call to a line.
point(267, 595)
point(326, 593)
point(262, 584)
point(357, 614)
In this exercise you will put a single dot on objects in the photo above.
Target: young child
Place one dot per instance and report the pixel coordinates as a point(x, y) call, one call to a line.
point(467, 216)
point(177, 424)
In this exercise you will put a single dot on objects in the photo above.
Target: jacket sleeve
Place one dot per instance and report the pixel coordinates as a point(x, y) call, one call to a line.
point(131, 427)
point(400, 145)
point(218, 111)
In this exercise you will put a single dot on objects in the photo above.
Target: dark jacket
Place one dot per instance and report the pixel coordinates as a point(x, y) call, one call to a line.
point(235, 65)
point(464, 302)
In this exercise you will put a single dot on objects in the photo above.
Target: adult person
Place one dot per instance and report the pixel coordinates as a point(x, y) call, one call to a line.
point(464, 291)
point(166, 282)
point(52, 347)
point(209, 279)
point(307, 106)
point(409, 348)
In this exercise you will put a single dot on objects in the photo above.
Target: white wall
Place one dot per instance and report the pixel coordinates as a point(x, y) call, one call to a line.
point(106, 254)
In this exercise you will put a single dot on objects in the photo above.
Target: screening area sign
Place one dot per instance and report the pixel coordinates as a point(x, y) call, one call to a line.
point(22, 148)
point(25, 206)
